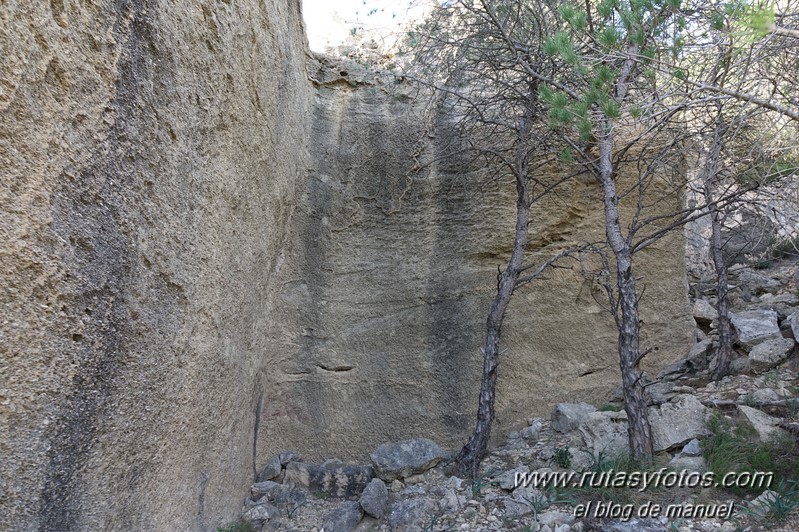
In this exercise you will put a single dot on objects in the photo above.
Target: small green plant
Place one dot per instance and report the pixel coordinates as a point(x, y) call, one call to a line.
point(772, 376)
point(238, 526)
point(563, 457)
point(609, 407)
point(477, 486)
point(675, 526)
point(777, 504)
point(538, 502)
point(785, 248)
point(431, 526)
point(761, 264)
point(749, 400)
point(791, 407)
point(601, 462)
point(736, 448)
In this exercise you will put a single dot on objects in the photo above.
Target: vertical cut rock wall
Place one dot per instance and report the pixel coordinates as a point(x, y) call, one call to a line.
point(150, 152)
point(204, 260)
point(389, 275)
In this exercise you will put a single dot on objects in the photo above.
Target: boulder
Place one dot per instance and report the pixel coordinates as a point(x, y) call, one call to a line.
point(755, 326)
point(374, 499)
point(554, 518)
point(531, 432)
point(671, 372)
point(281, 495)
point(704, 313)
point(288, 456)
point(582, 460)
point(266, 487)
point(452, 501)
point(770, 353)
point(335, 481)
point(271, 470)
point(344, 518)
point(518, 503)
point(660, 392)
point(260, 512)
point(411, 515)
point(697, 359)
point(406, 458)
point(367, 524)
point(507, 480)
point(765, 395)
point(793, 321)
point(677, 422)
point(636, 524)
point(700, 354)
point(692, 448)
point(757, 282)
point(456, 483)
point(739, 365)
point(688, 463)
point(606, 432)
point(568, 416)
point(765, 425)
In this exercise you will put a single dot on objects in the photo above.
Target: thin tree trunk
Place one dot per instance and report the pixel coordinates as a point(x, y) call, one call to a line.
point(635, 404)
point(468, 460)
point(724, 352)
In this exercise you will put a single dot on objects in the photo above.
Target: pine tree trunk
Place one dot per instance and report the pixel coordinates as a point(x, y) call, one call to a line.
point(724, 352)
point(468, 460)
point(635, 404)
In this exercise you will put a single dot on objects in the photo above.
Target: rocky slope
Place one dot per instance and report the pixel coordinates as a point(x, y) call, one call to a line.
point(212, 252)
point(408, 486)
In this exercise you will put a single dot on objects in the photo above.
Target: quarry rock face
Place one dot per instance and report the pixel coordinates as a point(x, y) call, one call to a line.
point(150, 154)
point(208, 258)
point(391, 269)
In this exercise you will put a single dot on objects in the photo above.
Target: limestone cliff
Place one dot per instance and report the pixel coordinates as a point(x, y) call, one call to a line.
point(211, 252)
point(389, 274)
point(150, 152)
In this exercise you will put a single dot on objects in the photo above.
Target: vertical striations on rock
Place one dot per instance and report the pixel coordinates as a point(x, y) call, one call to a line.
point(204, 261)
point(150, 153)
point(390, 272)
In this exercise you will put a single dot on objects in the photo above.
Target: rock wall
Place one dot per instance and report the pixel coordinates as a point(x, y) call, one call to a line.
point(150, 152)
point(202, 265)
point(389, 274)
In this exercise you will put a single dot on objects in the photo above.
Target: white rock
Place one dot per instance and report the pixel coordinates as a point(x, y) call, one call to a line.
point(764, 395)
point(555, 517)
point(770, 353)
point(755, 326)
point(507, 480)
point(692, 448)
point(764, 424)
point(678, 422)
point(793, 320)
point(605, 432)
point(704, 313)
point(688, 463)
point(568, 416)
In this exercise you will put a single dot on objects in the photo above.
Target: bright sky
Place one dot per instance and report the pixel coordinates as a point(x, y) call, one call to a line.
point(329, 22)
